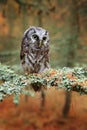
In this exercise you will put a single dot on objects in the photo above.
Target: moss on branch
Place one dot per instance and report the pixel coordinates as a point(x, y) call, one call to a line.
point(74, 79)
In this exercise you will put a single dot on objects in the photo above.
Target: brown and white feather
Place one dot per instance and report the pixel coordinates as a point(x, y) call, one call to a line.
point(34, 52)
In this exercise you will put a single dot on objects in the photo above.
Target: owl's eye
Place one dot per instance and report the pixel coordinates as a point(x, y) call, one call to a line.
point(35, 36)
point(44, 38)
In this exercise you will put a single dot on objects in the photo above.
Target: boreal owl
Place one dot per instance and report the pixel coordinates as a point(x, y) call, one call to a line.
point(34, 52)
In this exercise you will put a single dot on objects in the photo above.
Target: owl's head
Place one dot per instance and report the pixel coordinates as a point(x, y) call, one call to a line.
point(37, 37)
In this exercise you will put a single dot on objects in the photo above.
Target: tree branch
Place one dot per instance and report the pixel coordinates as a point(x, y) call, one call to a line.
point(74, 79)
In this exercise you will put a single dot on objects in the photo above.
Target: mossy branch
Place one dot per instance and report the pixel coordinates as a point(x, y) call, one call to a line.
point(74, 79)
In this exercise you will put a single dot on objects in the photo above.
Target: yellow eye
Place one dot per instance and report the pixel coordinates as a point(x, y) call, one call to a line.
point(44, 38)
point(35, 36)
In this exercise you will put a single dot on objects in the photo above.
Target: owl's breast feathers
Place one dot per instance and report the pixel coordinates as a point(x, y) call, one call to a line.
point(36, 60)
point(36, 56)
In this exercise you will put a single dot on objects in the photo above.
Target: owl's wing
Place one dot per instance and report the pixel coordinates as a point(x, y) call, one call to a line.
point(22, 55)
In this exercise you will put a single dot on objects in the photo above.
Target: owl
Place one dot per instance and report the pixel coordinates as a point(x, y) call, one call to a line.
point(34, 52)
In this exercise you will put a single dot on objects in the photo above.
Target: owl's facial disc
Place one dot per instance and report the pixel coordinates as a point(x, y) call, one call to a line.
point(39, 39)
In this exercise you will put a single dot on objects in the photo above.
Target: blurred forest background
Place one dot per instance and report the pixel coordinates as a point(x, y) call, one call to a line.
point(66, 21)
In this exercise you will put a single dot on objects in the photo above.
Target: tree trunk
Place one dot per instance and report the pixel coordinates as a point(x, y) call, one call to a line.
point(67, 104)
point(11, 17)
point(39, 14)
point(74, 29)
point(24, 17)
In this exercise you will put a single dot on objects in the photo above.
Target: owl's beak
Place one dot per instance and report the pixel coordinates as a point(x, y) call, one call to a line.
point(40, 43)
